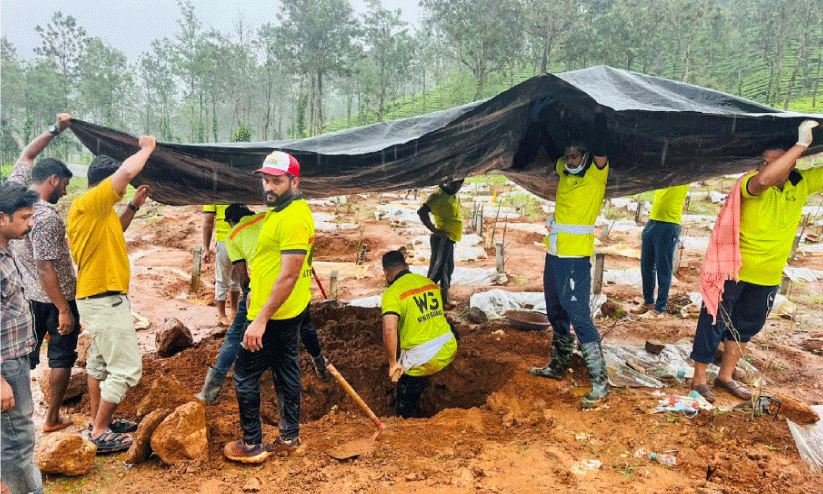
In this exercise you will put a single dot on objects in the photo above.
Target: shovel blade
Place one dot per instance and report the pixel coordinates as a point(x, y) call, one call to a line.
point(352, 449)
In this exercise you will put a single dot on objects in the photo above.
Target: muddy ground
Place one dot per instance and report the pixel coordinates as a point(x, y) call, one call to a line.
point(489, 426)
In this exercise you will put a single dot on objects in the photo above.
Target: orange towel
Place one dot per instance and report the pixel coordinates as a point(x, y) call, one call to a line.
point(722, 261)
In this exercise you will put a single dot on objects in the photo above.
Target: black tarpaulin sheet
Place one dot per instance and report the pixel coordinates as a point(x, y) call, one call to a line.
point(659, 133)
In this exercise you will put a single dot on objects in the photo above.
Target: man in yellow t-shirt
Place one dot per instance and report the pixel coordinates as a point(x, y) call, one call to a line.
point(278, 304)
point(447, 230)
point(582, 171)
point(226, 283)
point(99, 249)
point(770, 210)
point(413, 311)
point(658, 241)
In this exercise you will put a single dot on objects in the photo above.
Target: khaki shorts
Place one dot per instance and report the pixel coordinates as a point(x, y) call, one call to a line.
point(114, 357)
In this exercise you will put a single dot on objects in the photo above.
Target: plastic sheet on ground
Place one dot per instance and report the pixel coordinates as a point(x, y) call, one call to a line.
point(495, 303)
point(465, 276)
point(809, 441)
point(619, 250)
point(326, 226)
point(367, 302)
point(695, 243)
point(671, 367)
point(816, 249)
point(630, 277)
point(802, 274)
point(619, 225)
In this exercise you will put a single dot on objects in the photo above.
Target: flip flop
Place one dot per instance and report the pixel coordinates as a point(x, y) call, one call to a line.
point(57, 427)
point(111, 442)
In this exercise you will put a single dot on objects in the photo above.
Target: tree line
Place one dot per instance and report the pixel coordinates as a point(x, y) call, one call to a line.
point(318, 66)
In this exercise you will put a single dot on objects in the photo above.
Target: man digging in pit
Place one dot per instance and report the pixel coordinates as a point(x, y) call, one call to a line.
point(96, 240)
point(278, 305)
point(413, 314)
point(447, 230)
point(47, 270)
point(771, 204)
point(582, 171)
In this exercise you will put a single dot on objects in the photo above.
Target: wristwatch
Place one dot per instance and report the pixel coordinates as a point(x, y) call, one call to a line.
point(133, 207)
point(54, 131)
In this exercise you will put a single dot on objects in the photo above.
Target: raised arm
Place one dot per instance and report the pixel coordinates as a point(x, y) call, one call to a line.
point(773, 172)
point(40, 142)
point(133, 165)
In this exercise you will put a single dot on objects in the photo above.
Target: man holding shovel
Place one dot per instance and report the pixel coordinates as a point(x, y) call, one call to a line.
point(413, 313)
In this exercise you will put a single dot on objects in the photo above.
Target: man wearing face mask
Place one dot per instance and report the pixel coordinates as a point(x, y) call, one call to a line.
point(48, 273)
point(583, 170)
point(279, 302)
point(447, 230)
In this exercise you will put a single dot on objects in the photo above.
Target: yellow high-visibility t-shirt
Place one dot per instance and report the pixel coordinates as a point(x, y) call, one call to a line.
point(668, 204)
point(97, 243)
point(288, 231)
point(221, 226)
point(577, 202)
point(445, 209)
point(416, 300)
point(768, 225)
point(241, 241)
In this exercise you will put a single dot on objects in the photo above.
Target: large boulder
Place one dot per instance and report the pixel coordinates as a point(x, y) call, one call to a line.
point(163, 393)
point(78, 384)
point(141, 441)
point(173, 338)
point(183, 435)
point(65, 453)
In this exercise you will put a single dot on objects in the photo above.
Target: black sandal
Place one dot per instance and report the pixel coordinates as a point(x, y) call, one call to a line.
point(120, 426)
point(111, 442)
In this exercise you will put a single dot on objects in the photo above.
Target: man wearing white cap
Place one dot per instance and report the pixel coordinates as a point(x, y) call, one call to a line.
point(278, 304)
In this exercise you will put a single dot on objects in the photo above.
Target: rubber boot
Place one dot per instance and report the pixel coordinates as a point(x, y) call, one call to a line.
point(212, 386)
point(320, 363)
point(593, 355)
point(562, 348)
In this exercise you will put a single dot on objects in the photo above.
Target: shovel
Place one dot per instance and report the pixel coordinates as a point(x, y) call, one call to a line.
point(357, 447)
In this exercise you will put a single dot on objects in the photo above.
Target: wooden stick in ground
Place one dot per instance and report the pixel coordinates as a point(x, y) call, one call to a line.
point(491, 240)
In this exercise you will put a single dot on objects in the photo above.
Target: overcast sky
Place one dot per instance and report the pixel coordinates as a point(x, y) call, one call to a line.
point(131, 25)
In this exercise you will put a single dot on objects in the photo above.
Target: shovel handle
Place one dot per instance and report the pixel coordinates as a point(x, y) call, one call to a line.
point(356, 397)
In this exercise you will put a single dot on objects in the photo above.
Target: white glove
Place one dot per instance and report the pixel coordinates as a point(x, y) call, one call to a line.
point(804, 132)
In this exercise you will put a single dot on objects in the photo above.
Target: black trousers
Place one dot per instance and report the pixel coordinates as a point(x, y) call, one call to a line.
point(441, 265)
point(281, 344)
point(409, 391)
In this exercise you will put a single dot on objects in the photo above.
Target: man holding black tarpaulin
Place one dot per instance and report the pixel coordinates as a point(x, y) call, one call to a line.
point(583, 170)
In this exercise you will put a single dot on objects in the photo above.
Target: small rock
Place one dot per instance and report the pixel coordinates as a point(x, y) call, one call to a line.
point(78, 384)
point(252, 485)
point(141, 441)
point(476, 316)
point(654, 347)
point(183, 435)
point(814, 345)
point(173, 338)
point(65, 453)
point(83, 344)
point(163, 393)
point(795, 411)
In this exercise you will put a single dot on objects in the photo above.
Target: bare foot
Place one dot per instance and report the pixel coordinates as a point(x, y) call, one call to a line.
point(62, 424)
point(223, 321)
